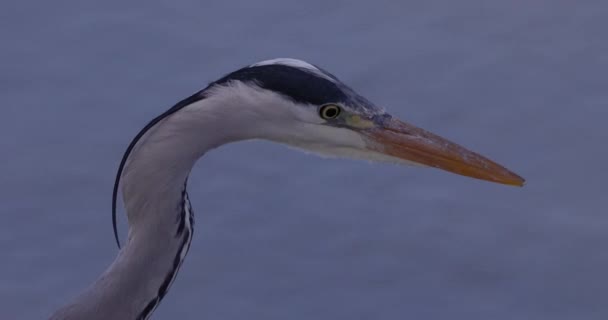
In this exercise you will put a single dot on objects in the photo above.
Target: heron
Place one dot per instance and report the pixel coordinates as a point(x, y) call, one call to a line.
point(284, 100)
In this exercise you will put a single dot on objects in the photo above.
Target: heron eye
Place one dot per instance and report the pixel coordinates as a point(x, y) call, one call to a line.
point(329, 111)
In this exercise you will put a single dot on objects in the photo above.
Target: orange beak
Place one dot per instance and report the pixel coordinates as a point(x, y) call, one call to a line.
point(401, 140)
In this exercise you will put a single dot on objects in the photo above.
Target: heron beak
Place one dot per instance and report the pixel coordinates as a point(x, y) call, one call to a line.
point(405, 141)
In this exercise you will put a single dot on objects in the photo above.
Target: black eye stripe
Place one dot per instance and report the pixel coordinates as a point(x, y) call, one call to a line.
point(329, 111)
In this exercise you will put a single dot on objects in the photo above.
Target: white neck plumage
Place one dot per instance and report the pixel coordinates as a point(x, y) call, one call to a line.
point(158, 210)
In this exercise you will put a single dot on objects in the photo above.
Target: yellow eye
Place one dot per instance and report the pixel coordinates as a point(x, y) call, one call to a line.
point(329, 111)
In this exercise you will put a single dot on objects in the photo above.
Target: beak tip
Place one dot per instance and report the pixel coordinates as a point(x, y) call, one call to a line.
point(515, 180)
point(519, 184)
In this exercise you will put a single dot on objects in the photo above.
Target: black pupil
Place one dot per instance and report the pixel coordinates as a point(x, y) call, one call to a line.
point(331, 112)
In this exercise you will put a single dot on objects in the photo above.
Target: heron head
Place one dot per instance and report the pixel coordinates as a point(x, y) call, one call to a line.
point(304, 106)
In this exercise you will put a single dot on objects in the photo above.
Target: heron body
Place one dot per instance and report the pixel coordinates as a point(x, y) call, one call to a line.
point(287, 101)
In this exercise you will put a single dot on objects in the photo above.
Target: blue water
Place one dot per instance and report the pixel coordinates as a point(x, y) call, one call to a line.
point(523, 82)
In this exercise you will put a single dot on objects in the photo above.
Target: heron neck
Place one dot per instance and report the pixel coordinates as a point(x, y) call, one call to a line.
point(159, 215)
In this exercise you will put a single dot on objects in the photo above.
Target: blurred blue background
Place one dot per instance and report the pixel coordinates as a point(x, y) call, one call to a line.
point(523, 82)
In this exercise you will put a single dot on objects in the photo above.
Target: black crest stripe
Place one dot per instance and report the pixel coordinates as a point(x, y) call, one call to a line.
point(297, 84)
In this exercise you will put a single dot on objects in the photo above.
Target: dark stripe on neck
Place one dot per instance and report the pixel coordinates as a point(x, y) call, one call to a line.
point(186, 214)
